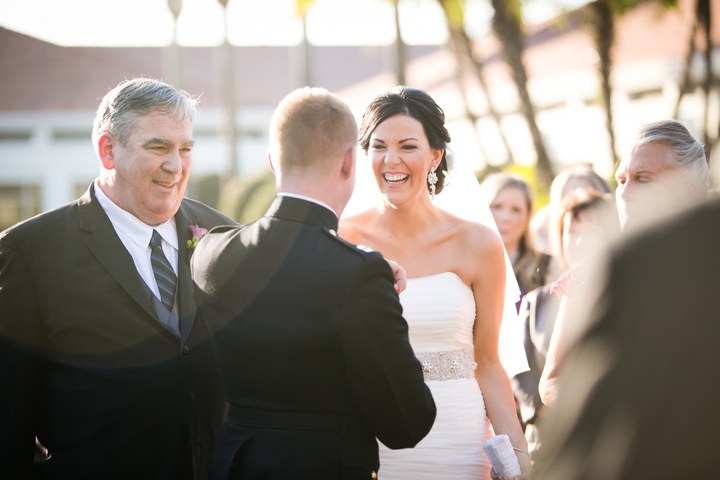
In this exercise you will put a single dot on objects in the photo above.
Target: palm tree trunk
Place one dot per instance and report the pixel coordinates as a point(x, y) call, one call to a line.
point(703, 17)
point(463, 47)
point(685, 82)
point(400, 48)
point(603, 27)
point(506, 25)
point(305, 49)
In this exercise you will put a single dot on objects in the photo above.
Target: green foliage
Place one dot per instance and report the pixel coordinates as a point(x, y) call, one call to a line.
point(622, 6)
point(529, 174)
point(247, 200)
point(454, 12)
point(205, 189)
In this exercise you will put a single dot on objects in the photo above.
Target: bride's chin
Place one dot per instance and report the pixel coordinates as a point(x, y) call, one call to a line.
point(397, 200)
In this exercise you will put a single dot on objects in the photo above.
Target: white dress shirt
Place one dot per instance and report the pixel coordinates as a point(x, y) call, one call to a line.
point(136, 235)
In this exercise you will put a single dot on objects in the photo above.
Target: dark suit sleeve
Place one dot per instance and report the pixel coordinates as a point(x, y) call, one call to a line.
point(385, 378)
point(19, 337)
point(525, 384)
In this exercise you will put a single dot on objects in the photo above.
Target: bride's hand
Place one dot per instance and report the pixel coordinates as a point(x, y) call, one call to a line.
point(400, 276)
point(525, 466)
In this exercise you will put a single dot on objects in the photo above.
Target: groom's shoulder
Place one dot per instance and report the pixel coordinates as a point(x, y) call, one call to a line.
point(359, 251)
point(204, 213)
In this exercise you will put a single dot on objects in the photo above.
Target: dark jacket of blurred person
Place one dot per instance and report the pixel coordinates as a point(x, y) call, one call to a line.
point(538, 312)
point(639, 395)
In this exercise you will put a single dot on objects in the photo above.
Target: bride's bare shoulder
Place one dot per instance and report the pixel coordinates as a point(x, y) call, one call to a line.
point(355, 228)
point(477, 236)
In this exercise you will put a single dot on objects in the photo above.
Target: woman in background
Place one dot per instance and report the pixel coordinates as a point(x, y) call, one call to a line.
point(511, 203)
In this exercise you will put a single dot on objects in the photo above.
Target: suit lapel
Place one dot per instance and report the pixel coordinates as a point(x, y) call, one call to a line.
point(107, 247)
point(186, 289)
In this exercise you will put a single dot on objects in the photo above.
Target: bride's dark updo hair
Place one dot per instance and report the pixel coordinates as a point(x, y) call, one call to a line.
point(416, 104)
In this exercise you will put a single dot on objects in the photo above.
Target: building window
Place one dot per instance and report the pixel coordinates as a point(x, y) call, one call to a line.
point(72, 135)
point(15, 135)
point(18, 203)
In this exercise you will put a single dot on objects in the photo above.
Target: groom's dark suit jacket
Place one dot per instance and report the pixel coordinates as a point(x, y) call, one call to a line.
point(312, 347)
point(84, 364)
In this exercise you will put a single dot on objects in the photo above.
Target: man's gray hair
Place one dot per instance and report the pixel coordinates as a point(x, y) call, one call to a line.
point(134, 98)
point(687, 154)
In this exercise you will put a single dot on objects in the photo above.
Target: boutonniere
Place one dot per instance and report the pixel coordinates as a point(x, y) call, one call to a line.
point(197, 234)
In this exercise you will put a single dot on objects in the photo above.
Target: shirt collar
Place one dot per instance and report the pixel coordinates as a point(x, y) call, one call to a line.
point(138, 231)
point(307, 199)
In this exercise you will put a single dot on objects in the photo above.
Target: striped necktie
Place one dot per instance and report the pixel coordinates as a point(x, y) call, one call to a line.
point(164, 275)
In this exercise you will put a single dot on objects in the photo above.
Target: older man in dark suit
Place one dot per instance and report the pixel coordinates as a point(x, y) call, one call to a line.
point(640, 391)
point(101, 358)
point(308, 330)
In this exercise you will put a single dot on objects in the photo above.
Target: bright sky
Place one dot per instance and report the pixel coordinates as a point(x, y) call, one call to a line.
point(252, 22)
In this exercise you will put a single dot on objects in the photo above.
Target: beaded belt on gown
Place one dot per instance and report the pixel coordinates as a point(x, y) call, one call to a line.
point(449, 365)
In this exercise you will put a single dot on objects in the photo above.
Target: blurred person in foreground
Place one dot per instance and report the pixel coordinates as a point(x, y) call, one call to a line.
point(640, 389)
point(100, 354)
point(588, 223)
point(580, 227)
point(664, 172)
point(511, 203)
point(307, 328)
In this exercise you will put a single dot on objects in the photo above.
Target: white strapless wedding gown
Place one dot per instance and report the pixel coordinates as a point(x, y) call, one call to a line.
point(440, 311)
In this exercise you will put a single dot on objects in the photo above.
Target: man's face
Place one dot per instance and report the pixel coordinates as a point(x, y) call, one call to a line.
point(648, 186)
point(149, 173)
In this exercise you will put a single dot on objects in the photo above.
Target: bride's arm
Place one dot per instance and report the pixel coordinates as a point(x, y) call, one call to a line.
point(489, 291)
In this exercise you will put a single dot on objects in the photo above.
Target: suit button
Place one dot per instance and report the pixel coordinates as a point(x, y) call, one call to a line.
point(191, 396)
point(373, 475)
point(186, 349)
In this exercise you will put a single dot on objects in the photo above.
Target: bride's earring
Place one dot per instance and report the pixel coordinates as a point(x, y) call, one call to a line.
point(432, 180)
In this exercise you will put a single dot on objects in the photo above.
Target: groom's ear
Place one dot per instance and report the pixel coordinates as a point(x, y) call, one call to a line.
point(347, 169)
point(270, 162)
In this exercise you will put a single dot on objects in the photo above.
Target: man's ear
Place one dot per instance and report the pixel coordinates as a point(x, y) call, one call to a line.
point(347, 169)
point(691, 192)
point(105, 146)
point(270, 162)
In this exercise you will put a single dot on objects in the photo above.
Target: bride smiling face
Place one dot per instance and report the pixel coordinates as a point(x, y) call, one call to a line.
point(401, 158)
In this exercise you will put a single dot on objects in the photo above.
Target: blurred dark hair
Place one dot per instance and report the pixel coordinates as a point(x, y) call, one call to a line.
point(414, 103)
point(603, 205)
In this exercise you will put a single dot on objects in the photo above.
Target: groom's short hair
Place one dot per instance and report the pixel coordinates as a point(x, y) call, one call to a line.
point(311, 129)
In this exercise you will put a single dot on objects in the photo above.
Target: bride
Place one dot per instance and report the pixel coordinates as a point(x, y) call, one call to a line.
point(455, 294)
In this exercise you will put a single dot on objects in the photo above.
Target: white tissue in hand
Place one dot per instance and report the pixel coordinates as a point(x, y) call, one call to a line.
point(502, 457)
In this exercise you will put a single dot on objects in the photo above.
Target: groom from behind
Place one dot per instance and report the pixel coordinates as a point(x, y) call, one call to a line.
point(307, 328)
